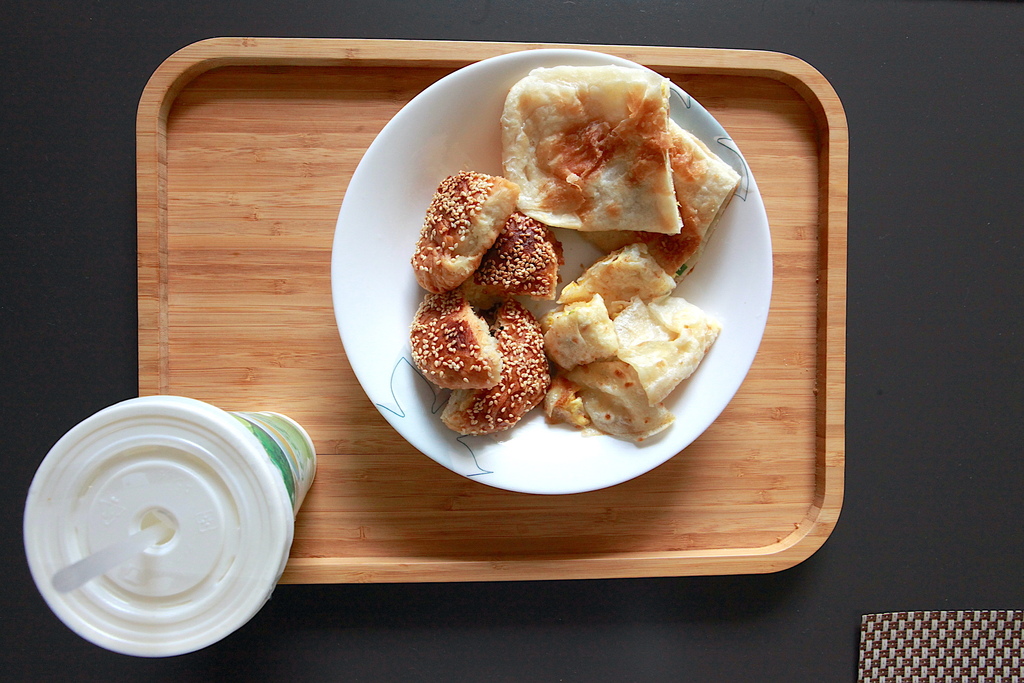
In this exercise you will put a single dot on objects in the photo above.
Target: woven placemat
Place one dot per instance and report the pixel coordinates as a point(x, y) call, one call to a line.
point(980, 645)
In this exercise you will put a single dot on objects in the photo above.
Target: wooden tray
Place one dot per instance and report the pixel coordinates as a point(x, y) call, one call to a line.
point(245, 147)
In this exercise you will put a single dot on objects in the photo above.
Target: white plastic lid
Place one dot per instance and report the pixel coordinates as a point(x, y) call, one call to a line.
point(195, 467)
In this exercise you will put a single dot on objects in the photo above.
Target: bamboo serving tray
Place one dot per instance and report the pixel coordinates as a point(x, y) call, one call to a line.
point(245, 148)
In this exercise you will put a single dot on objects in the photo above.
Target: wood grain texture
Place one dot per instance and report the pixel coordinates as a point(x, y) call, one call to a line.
point(245, 148)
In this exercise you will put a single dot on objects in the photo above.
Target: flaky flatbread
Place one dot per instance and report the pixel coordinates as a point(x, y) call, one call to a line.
point(618, 277)
point(615, 402)
point(704, 185)
point(465, 216)
point(589, 148)
point(664, 341)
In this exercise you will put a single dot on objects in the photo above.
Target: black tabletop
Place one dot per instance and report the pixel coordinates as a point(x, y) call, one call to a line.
point(933, 93)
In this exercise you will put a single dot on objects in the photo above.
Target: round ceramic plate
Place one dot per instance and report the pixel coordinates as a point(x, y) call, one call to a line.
point(453, 125)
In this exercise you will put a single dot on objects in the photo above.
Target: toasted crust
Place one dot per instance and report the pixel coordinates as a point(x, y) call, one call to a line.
point(523, 261)
point(467, 212)
point(451, 344)
point(524, 377)
point(704, 185)
point(588, 146)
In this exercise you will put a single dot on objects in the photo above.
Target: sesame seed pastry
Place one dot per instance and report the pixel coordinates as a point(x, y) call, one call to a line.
point(523, 261)
point(525, 377)
point(451, 344)
point(464, 217)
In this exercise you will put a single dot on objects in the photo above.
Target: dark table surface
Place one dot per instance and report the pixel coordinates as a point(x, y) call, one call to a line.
point(932, 517)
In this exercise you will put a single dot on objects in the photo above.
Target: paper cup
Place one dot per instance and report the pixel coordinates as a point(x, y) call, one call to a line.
point(226, 484)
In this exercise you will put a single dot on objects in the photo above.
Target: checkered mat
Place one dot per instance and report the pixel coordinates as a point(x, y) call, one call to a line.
point(984, 645)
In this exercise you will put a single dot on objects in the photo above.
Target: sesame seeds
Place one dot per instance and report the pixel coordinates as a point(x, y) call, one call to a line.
point(499, 372)
point(464, 217)
point(451, 344)
point(523, 261)
point(457, 200)
point(525, 377)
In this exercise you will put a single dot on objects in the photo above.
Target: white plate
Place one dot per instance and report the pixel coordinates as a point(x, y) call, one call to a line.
point(453, 125)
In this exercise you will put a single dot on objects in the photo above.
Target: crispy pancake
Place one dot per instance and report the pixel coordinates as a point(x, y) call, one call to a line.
point(704, 185)
point(589, 148)
point(615, 401)
point(664, 341)
point(451, 344)
point(579, 333)
point(562, 403)
point(619, 277)
point(465, 215)
point(524, 377)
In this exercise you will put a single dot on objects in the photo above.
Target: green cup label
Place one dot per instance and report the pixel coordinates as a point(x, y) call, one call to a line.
point(288, 449)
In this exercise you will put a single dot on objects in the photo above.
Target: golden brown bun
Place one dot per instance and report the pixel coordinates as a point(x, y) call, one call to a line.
point(466, 214)
point(451, 344)
point(524, 377)
point(523, 261)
